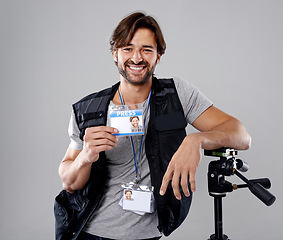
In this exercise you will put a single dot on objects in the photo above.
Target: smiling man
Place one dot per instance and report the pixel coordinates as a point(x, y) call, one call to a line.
point(137, 60)
point(98, 166)
point(135, 124)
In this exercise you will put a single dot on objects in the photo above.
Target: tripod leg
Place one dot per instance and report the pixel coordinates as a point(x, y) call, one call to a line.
point(218, 219)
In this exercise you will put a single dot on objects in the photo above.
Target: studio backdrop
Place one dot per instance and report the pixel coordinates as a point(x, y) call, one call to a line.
point(53, 53)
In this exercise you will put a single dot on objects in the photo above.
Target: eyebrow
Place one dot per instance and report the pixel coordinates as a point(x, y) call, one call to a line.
point(148, 46)
point(144, 46)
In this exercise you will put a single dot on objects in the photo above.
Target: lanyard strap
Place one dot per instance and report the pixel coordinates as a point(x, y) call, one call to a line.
point(133, 147)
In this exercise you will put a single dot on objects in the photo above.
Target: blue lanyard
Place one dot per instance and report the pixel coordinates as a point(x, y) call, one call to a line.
point(133, 147)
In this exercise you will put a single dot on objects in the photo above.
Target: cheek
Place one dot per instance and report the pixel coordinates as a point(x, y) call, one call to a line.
point(152, 60)
point(122, 61)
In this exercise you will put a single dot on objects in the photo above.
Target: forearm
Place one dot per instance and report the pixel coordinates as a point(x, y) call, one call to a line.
point(74, 174)
point(76, 165)
point(217, 130)
point(230, 133)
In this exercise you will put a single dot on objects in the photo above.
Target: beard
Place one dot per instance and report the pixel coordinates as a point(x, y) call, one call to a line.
point(136, 79)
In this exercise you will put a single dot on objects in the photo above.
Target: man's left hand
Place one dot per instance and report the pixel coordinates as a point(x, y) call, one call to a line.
point(184, 163)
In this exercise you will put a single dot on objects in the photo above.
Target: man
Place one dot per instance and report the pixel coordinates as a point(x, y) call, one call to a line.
point(128, 195)
point(135, 124)
point(168, 158)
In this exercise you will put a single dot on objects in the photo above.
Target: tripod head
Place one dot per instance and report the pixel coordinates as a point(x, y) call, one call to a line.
point(228, 165)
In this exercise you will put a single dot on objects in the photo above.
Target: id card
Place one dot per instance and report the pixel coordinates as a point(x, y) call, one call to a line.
point(138, 199)
point(127, 121)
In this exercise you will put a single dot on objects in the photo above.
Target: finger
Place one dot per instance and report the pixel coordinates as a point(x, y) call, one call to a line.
point(104, 141)
point(96, 135)
point(184, 184)
point(176, 185)
point(103, 148)
point(102, 129)
point(95, 152)
point(166, 178)
point(192, 180)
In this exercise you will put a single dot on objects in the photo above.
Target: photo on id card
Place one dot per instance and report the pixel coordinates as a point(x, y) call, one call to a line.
point(135, 200)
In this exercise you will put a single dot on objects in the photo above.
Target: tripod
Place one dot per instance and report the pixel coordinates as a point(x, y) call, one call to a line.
point(227, 165)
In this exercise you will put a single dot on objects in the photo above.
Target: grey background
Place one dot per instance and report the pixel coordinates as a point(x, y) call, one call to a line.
point(55, 52)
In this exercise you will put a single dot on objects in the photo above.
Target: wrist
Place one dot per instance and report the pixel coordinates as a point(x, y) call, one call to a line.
point(195, 139)
point(206, 140)
point(82, 160)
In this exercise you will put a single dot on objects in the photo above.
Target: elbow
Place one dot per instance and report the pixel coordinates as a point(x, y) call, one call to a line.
point(72, 186)
point(246, 141)
point(240, 137)
point(68, 188)
point(245, 137)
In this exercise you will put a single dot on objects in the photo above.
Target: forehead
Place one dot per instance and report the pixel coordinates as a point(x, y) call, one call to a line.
point(144, 37)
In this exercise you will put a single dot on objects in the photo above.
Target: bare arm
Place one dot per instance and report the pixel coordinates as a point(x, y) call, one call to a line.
point(75, 167)
point(217, 129)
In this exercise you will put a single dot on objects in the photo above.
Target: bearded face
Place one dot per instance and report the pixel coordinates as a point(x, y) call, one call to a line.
point(136, 74)
point(136, 62)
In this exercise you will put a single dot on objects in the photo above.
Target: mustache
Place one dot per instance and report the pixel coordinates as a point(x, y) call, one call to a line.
point(141, 63)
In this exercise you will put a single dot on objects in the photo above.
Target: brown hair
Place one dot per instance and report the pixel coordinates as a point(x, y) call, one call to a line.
point(124, 32)
point(131, 118)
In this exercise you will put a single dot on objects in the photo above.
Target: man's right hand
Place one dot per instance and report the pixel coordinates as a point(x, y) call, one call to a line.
point(96, 140)
point(75, 167)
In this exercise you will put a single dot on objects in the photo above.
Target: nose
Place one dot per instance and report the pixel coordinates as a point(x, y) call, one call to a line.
point(137, 57)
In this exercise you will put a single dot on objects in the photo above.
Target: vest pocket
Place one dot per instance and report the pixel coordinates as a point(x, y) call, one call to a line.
point(171, 132)
point(91, 119)
point(66, 205)
point(64, 214)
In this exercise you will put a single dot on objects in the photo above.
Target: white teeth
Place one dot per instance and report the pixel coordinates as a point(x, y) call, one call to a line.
point(136, 68)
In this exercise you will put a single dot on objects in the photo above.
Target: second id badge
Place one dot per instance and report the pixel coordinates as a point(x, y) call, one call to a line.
point(137, 198)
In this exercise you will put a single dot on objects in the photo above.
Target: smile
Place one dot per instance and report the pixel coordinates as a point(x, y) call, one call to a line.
point(136, 68)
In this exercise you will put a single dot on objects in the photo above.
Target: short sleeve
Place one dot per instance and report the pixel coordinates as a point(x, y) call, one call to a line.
point(193, 101)
point(74, 133)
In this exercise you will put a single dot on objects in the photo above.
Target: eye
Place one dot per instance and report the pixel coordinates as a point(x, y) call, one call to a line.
point(127, 49)
point(148, 50)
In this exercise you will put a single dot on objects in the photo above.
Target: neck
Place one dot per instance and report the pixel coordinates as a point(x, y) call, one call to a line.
point(132, 94)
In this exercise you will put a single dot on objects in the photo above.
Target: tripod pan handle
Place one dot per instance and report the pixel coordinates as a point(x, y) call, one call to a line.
point(260, 192)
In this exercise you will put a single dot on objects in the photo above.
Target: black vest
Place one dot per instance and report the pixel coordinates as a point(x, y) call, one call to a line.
point(166, 131)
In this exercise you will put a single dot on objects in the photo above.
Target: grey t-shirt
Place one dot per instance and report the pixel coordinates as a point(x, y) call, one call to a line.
point(110, 220)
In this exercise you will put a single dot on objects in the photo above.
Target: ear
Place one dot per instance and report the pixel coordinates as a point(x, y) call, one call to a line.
point(158, 58)
point(115, 55)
